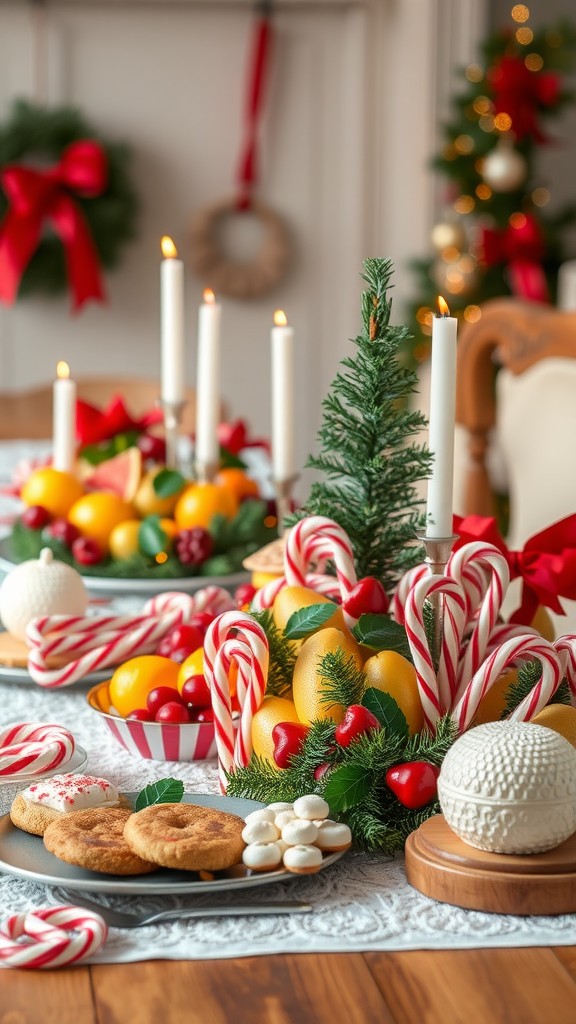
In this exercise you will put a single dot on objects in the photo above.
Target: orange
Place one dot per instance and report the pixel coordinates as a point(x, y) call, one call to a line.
point(52, 488)
point(193, 665)
point(199, 503)
point(493, 704)
point(96, 515)
point(123, 540)
point(133, 681)
point(170, 528)
point(148, 503)
point(271, 711)
point(238, 482)
point(390, 672)
point(559, 717)
point(308, 683)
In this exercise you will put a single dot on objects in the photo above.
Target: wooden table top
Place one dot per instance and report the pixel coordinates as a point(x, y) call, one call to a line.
point(485, 986)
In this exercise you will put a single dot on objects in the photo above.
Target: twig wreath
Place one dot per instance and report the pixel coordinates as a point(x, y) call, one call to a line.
point(67, 205)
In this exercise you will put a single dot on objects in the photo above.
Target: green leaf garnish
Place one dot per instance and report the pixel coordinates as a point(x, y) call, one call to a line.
point(165, 791)
point(306, 620)
point(382, 634)
point(346, 787)
point(152, 538)
point(387, 711)
point(168, 482)
point(229, 460)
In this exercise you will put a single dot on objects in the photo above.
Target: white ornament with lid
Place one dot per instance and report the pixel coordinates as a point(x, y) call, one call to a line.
point(40, 586)
point(510, 787)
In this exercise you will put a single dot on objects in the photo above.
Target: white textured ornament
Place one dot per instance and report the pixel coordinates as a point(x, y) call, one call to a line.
point(510, 787)
point(40, 586)
point(504, 169)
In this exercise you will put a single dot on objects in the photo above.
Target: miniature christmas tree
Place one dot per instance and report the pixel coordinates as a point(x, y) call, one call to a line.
point(370, 458)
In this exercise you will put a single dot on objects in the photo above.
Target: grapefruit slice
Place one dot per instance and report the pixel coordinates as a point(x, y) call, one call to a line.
point(121, 474)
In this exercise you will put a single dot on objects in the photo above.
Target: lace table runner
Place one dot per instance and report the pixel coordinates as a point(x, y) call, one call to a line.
point(360, 903)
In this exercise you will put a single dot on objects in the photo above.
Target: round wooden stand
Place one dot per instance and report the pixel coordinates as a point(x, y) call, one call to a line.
point(440, 865)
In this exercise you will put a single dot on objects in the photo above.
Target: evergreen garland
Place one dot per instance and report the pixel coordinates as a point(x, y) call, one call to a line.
point(369, 457)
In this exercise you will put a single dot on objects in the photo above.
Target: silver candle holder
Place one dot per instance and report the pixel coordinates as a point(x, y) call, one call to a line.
point(283, 490)
point(172, 412)
point(205, 471)
point(438, 550)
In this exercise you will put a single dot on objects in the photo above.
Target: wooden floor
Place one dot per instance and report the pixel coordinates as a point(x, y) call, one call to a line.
point(503, 986)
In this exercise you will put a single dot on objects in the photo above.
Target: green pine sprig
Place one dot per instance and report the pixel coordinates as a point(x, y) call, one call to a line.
point(528, 675)
point(340, 681)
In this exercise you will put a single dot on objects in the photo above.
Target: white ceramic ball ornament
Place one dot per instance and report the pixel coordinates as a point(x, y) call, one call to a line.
point(40, 586)
point(510, 787)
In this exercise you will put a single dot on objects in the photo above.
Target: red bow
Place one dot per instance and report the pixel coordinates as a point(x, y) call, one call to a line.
point(94, 425)
point(521, 247)
point(39, 195)
point(546, 565)
point(519, 92)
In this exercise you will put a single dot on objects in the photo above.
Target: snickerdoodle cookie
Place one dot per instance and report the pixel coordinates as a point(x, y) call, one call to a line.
point(94, 839)
point(186, 836)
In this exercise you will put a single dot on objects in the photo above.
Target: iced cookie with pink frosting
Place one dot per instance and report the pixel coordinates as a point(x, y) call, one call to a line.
point(51, 799)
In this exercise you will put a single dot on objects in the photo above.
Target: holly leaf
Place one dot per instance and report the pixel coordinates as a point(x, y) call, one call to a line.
point(387, 711)
point(306, 620)
point(165, 791)
point(382, 634)
point(151, 536)
point(230, 460)
point(346, 787)
point(168, 482)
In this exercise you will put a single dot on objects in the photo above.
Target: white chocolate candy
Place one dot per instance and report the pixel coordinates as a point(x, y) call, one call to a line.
point(303, 859)
point(298, 832)
point(72, 793)
point(280, 806)
point(311, 807)
point(283, 818)
point(260, 832)
point(333, 835)
point(265, 814)
point(282, 846)
point(262, 856)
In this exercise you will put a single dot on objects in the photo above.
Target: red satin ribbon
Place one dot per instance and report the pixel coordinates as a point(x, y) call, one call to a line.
point(37, 196)
point(521, 93)
point(521, 247)
point(94, 425)
point(546, 565)
point(247, 168)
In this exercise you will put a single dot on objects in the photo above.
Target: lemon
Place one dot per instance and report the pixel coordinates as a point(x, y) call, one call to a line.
point(123, 540)
point(271, 711)
point(96, 515)
point(133, 681)
point(148, 503)
point(291, 599)
point(308, 682)
point(390, 672)
point(559, 717)
point(493, 704)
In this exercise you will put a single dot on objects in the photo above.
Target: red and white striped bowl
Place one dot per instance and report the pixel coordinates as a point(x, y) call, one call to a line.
point(156, 741)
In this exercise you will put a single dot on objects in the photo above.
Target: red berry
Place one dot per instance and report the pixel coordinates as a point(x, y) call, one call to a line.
point(202, 620)
point(288, 740)
point(164, 648)
point(86, 551)
point(196, 691)
point(62, 530)
point(162, 695)
point(173, 712)
point(186, 637)
point(152, 448)
point(202, 715)
point(357, 721)
point(321, 770)
point(414, 783)
point(141, 715)
point(193, 546)
point(35, 517)
point(244, 594)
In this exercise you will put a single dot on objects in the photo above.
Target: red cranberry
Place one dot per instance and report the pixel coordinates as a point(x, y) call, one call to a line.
point(35, 517)
point(186, 637)
point(202, 715)
point(62, 530)
point(164, 648)
point(202, 620)
point(152, 448)
point(162, 695)
point(196, 691)
point(86, 551)
point(173, 712)
point(141, 715)
point(193, 546)
point(244, 594)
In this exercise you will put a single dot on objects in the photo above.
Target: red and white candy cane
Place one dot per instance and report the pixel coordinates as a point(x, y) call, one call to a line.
point(208, 599)
point(436, 690)
point(312, 543)
point(487, 563)
point(405, 585)
point(322, 584)
point(518, 648)
point(235, 638)
point(31, 748)
point(565, 646)
point(55, 937)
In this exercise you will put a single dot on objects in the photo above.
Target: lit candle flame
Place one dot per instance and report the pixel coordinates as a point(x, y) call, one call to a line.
point(443, 306)
point(62, 370)
point(169, 250)
point(280, 319)
point(208, 297)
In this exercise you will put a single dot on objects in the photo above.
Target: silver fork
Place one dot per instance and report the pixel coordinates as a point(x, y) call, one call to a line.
point(120, 919)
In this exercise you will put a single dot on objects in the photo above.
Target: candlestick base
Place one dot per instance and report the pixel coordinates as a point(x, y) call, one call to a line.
point(283, 490)
point(172, 419)
point(438, 551)
point(205, 471)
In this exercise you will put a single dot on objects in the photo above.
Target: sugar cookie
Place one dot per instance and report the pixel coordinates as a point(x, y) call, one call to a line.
point(303, 859)
point(52, 799)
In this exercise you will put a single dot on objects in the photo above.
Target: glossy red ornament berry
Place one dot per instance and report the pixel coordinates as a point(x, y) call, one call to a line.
point(173, 712)
point(321, 770)
point(35, 517)
point(196, 691)
point(202, 715)
point(357, 721)
point(141, 715)
point(186, 637)
point(86, 551)
point(161, 695)
point(415, 783)
point(62, 530)
point(193, 546)
point(244, 594)
point(202, 620)
point(288, 740)
point(368, 597)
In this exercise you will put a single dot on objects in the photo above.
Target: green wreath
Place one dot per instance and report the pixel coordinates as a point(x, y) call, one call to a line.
point(35, 135)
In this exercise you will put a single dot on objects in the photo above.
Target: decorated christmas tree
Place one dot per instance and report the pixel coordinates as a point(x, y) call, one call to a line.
point(370, 459)
point(497, 235)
